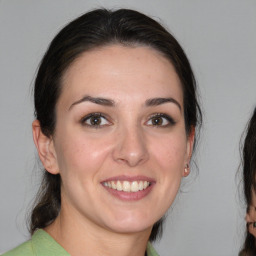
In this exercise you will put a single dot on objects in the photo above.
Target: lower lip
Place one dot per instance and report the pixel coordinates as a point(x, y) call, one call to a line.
point(130, 196)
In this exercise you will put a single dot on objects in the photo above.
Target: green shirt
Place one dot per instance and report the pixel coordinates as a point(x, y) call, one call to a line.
point(42, 244)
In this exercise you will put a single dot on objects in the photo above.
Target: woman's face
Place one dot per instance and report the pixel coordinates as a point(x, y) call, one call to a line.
point(120, 143)
point(251, 216)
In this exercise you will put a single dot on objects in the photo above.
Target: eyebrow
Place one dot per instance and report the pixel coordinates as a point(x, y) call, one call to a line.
point(99, 101)
point(160, 101)
point(110, 103)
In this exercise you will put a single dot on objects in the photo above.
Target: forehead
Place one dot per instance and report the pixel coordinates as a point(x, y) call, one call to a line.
point(120, 71)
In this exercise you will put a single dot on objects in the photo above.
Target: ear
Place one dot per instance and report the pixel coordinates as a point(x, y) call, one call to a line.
point(45, 148)
point(190, 145)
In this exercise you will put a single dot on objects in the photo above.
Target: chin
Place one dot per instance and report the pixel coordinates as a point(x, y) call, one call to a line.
point(131, 225)
point(131, 229)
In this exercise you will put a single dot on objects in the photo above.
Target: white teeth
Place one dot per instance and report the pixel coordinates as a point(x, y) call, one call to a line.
point(141, 185)
point(113, 185)
point(127, 186)
point(119, 186)
point(134, 186)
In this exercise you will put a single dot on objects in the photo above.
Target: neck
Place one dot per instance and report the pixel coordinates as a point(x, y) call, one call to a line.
point(87, 238)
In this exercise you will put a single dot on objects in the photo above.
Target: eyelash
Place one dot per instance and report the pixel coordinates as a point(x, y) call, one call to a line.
point(167, 118)
point(94, 115)
point(161, 116)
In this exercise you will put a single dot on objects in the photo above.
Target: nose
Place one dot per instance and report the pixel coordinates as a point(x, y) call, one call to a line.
point(247, 217)
point(131, 147)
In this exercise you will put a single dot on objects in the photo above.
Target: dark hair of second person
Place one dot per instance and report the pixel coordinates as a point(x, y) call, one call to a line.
point(249, 183)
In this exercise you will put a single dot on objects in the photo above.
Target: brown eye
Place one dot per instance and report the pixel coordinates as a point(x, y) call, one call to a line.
point(157, 120)
point(161, 120)
point(95, 120)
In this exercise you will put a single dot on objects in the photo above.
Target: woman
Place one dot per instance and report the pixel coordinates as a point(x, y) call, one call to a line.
point(249, 174)
point(116, 113)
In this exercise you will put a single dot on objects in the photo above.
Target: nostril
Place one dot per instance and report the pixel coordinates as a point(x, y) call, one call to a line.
point(130, 149)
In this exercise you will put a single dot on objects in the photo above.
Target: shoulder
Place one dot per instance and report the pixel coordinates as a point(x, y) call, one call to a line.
point(150, 250)
point(41, 244)
point(23, 249)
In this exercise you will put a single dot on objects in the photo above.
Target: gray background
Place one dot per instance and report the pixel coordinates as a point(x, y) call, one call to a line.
point(219, 38)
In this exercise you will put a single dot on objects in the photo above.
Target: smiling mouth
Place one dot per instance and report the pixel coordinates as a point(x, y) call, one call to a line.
point(127, 186)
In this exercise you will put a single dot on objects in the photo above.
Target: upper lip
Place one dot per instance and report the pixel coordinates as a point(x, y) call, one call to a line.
point(129, 178)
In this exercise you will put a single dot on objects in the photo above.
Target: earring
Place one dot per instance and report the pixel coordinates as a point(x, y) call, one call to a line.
point(186, 170)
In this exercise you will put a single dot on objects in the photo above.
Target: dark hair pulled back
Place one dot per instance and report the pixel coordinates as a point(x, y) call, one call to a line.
point(92, 30)
point(249, 178)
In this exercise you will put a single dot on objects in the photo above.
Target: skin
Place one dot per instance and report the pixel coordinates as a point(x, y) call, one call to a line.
point(251, 215)
point(126, 143)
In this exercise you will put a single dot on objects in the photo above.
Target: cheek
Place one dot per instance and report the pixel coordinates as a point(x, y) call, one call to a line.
point(170, 157)
point(80, 154)
point(80, 160)
point(170, 152)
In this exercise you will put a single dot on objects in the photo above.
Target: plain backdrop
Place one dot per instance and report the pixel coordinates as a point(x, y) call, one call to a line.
point(219, 38)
